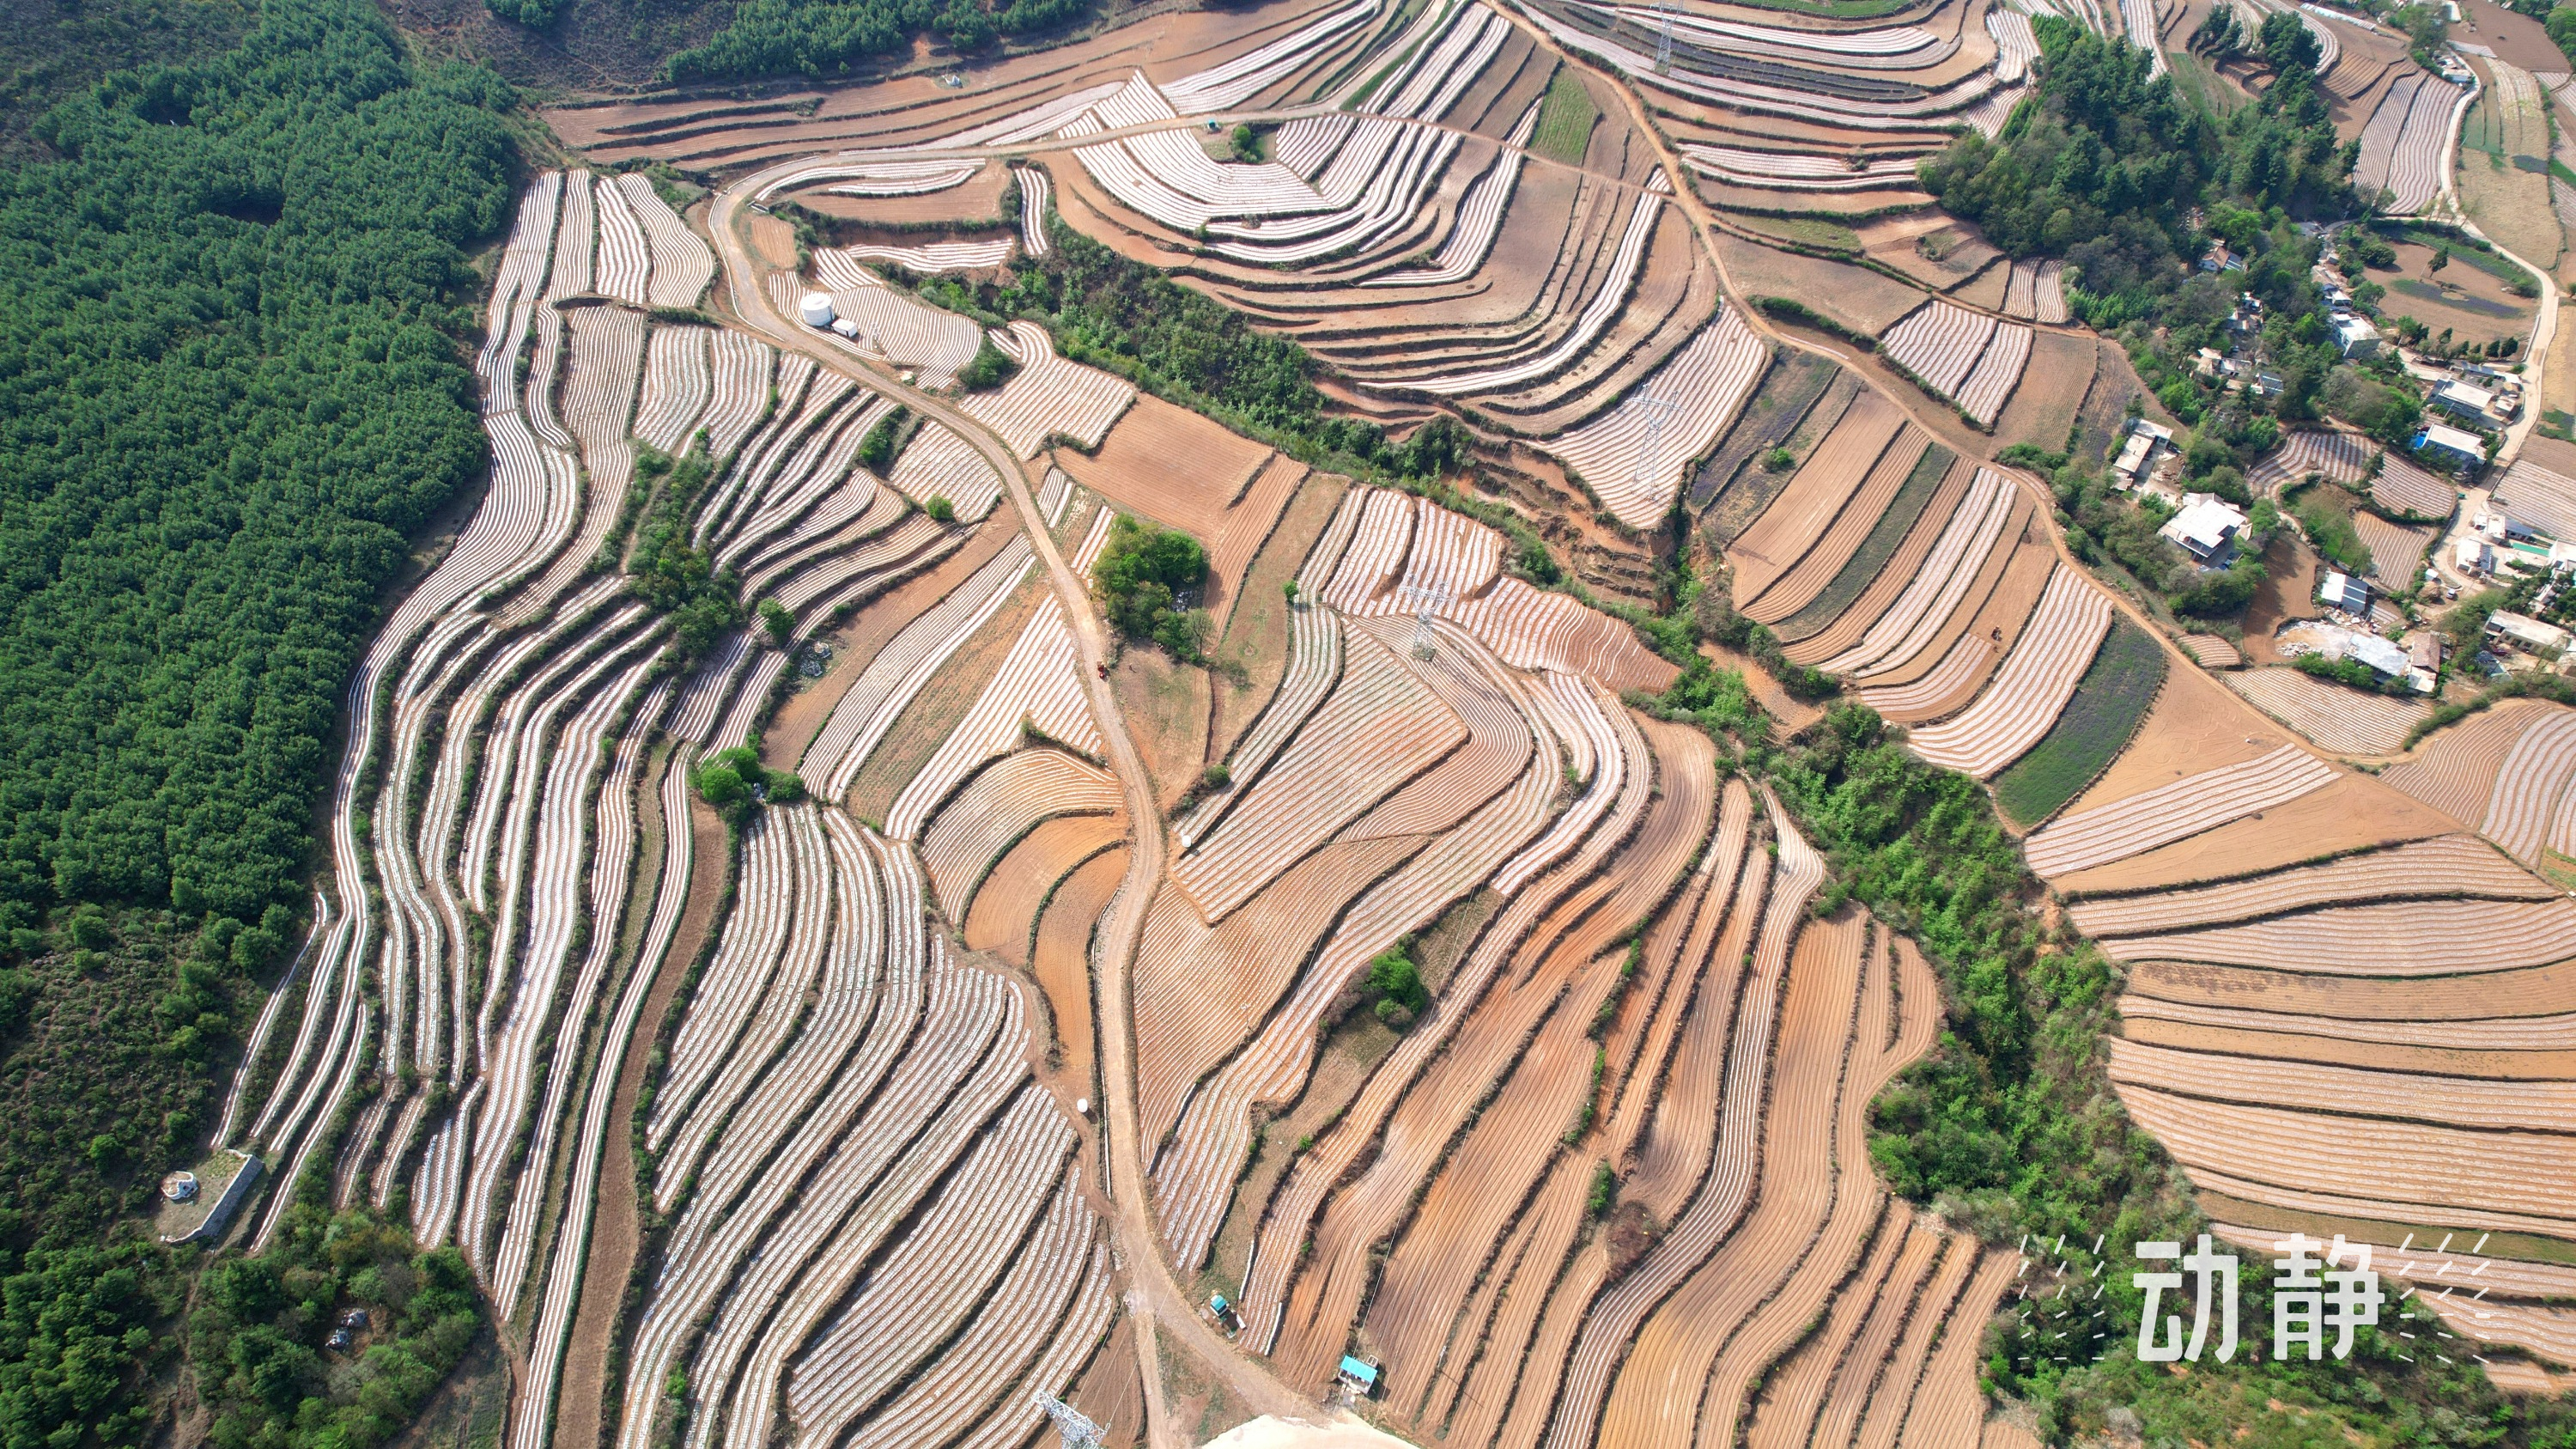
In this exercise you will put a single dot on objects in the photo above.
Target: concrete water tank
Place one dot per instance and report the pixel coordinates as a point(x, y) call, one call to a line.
point(817, 308)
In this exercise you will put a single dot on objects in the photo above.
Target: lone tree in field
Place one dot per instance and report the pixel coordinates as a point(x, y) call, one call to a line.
point(1142, 577)
point(1396, 983)
point(735, 784)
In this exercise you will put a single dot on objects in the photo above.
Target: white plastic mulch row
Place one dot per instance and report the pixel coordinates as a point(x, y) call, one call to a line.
point(1441, 73)
point(2531, 807)
point(573, 266)
point(1045, 1301)
point(807, 399)
point(1525, 626)
point(1166, 173)
point(530, 1418)
point(976, 827)
point(751, 697)
point(1167, 176)
point(1890, 40)
point(899, 670)
point(823, 1248)
point(1982, 396)
point(682, 264)
point(678, 380)
point(1934, 109)
point(1306, 143)
point(2048, 293)
point(930, 1285)
point(2176, 811)
point(1039, 683)
point(605, 355)
point(1596, 315)
point(819, 487)
point(1195, 1176)
point(2016, 44)
point(837, 265)
point(2138, 21)
point(550, 844)
point(729, 988)
point(826, 568)
point(2407, 139)
point(1379, 726)
point(1033, 207)
point(1048, 397)
point(1415, 37)
point(1796, 171)
point(1392, 199)
point(1479, 220)
point(625, 263)
point(874, 173)
point(516, 284)
point(743, 366)
point(1314, 665)
point(939, 464)
point(2034, 290)
point(1987, 116)
point(2021, 703)
point(1226, 86)
point(902, 1072)
point(1939, 342)
point(1634, 456)
point(537, 395)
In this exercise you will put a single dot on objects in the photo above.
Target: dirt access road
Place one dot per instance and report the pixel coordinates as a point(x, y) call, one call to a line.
point(1154, 1295)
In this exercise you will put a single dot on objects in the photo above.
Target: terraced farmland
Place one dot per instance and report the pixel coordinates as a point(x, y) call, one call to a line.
point(2270, 905)
point(528, 753)
point(2291, 985)
point(1411, 229)
point(962, 1062)
point(2404, 146)
point(839, 1084)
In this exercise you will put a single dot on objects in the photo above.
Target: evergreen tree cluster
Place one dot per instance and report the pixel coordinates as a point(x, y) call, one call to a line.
point(234, 314)
point(1145, 578)
point(831, 37)
point(230, 389)
point(2106, 165)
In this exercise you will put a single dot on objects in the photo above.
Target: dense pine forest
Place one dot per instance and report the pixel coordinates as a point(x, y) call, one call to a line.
point(234, 295)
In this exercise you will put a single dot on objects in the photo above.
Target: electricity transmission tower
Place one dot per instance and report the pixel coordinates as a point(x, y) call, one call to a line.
point(1425, 600)
point(1664, 41)
point(1078, 1432)
point(1657, 410)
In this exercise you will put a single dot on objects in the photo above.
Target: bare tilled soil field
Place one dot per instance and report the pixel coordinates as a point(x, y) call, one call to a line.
point(1397, 960)
point(2308, 997)
point(2043, 409)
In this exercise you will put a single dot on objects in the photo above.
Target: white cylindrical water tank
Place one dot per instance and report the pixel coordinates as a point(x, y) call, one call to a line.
point(817, 308)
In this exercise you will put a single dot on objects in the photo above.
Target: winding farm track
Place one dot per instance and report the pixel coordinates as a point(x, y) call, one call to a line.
point(1154, 1294)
